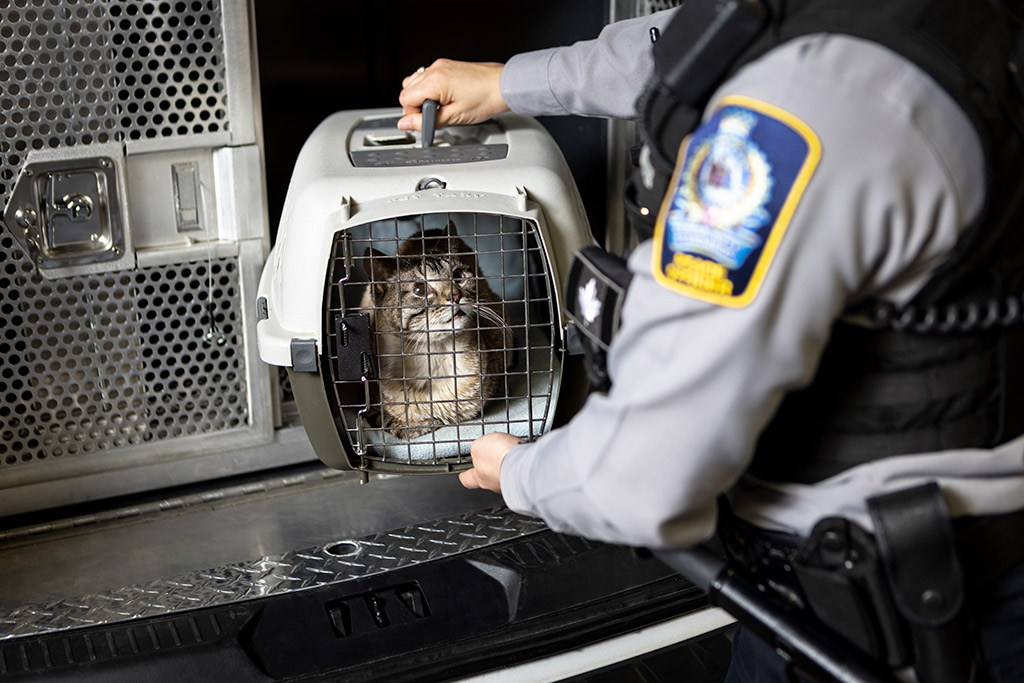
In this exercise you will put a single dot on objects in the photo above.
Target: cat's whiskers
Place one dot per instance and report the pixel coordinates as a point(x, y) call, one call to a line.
point(488, 313)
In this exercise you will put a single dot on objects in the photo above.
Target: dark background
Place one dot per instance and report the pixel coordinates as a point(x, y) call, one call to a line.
point(317, 57)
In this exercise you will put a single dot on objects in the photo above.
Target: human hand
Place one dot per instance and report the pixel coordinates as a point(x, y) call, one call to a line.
point(469, 92)
point(487, 452)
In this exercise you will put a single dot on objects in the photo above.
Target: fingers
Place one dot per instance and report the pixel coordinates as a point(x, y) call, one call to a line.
point(411, 122)
point(415, 76)
point(487, 452)
point(414, 92)
point(470, 479)
point(494, 444)
point(469, 92)
point(424, 84)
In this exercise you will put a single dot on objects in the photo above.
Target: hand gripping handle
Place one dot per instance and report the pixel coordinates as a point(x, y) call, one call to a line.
point(429, 122)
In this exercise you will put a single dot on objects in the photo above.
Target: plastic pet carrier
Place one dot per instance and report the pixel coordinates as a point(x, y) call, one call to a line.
point(413, 291)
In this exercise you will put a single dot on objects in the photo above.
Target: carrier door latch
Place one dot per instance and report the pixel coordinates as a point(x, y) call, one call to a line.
point(355, 357)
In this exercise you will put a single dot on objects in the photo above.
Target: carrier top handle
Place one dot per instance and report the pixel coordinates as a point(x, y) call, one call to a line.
point(429, 122)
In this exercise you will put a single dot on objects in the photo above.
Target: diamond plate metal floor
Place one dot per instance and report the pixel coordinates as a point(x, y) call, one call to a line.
point(284, 533)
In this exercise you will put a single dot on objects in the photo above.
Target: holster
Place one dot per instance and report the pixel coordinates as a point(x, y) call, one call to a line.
point(840, 575)
point(897, 595)
point(919, 554)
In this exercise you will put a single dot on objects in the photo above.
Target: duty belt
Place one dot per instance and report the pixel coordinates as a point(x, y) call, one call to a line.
point(898, 594)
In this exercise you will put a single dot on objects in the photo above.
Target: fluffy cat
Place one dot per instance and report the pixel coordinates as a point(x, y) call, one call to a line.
point(439, 333)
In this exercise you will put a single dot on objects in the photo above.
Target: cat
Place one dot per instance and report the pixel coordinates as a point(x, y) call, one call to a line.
point(440, 333)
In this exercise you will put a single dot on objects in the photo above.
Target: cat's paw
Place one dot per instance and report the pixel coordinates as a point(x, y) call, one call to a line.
point(408, 433)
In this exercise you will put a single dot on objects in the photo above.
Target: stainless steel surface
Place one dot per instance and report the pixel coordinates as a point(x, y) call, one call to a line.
point(253, 540)
point(68, 209)
point(121, 373)
point(240, 194)
point(68, 212)
point(100, 362)
point(84, 73)
point(135, 372)
point(78, 481)
point(153, 207)
point(240, 60)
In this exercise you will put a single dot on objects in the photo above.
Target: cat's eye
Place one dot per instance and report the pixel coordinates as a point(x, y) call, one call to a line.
point(458, 274)
point(420, 289)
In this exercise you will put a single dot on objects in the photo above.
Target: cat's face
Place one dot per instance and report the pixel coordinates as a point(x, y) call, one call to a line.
point(435, 294)
point(432, 286)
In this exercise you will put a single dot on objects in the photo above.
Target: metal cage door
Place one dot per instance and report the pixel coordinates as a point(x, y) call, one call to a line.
point(134, 228)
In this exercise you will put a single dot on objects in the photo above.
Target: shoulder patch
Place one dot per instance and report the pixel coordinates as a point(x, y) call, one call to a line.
point(737, 181)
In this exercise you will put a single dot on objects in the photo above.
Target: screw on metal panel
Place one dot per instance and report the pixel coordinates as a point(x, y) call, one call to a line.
point(25, 217)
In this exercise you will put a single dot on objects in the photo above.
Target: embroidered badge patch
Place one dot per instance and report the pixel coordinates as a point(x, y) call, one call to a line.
point(738, 180)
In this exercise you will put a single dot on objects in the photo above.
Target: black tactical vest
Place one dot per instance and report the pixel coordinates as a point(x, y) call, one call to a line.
point(947, 371)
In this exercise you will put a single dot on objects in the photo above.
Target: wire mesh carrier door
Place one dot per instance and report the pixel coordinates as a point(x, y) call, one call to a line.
point(440, 327)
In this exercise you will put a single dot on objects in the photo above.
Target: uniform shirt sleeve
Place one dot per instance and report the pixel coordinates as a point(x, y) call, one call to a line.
point(600, 77)
point(898, 179)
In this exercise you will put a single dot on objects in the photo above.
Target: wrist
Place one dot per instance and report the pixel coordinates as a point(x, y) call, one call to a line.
point(512, 470)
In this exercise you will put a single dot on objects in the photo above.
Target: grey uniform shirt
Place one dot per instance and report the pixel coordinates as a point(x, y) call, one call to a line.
point(899, 178)
point(601, 77)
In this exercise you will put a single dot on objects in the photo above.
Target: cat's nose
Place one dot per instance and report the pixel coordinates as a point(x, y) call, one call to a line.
point(455, 296)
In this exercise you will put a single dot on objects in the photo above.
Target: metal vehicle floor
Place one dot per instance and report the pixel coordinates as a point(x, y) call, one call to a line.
point(221, 524)
point(306, 572)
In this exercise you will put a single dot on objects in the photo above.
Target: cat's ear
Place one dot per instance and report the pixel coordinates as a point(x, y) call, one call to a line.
point(378, 265)
point(454, 243)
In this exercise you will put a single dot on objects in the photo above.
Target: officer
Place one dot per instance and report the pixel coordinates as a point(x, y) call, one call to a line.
point(822, 330)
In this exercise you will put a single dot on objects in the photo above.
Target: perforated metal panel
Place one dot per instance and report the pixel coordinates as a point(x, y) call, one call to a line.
point(134, 371)
point(401, 411)
point(75, 72)
point(94, 363)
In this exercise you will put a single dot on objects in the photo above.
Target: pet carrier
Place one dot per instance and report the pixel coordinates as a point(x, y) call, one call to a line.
point(413, 291)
